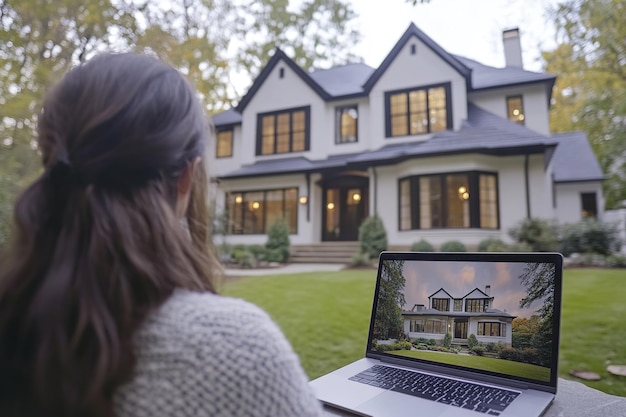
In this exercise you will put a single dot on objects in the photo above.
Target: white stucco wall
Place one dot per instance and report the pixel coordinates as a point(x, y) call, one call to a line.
point(326, 136)
point(408, 71)
point(535, 102)
point(511, 193)
point(282, 94)
point(221, 166)
point(305, 232)
point(569, 202)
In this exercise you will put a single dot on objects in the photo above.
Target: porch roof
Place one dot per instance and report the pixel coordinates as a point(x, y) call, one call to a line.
point(483, 133)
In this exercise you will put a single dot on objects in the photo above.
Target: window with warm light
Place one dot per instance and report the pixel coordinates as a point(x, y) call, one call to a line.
point(224, 143)
point(453, 201)
point(283, 131)
point(346, 124)
point(515, 109)
point(418, 111)
point(254, 212)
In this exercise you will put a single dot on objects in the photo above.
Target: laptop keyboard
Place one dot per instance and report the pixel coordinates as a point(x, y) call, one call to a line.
point(483, 399)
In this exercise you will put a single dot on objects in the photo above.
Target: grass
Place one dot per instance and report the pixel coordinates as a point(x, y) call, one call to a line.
point(325, 317)
point(481, 362)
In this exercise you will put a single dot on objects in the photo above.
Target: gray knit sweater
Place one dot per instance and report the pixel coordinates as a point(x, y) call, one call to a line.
point(207, 355)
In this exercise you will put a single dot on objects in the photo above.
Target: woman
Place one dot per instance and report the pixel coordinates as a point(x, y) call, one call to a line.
point(107, 291)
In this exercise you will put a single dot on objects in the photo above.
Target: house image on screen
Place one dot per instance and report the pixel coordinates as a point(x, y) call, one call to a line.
point(437, 145)
point(471, 314)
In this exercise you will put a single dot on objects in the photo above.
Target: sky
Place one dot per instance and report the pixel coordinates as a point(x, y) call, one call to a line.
point(460, 278)
point(470, 28)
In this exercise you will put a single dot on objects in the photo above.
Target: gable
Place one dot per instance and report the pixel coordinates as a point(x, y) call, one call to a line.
point(476, 293)
point(441, 294)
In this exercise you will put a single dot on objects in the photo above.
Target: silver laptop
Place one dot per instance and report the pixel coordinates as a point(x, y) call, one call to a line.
point(456, 334)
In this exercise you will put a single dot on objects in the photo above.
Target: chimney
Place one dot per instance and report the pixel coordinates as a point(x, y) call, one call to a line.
point(512, 48)
point(488, 289)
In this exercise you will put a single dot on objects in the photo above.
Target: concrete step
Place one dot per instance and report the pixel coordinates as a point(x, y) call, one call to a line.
point(325, 252)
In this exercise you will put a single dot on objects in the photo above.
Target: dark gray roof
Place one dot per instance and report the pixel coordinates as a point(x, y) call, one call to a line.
point(345, 80)
point(492, 312)
point(483, 133)
point(574, 160)
point(486, 77)
point(228, 117)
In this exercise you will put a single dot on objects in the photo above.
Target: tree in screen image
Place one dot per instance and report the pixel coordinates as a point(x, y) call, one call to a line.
point(388, 319)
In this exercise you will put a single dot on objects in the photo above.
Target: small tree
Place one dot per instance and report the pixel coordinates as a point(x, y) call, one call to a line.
point(472, 342)
point(447, 340)
point(373, 237)
point(277, 246)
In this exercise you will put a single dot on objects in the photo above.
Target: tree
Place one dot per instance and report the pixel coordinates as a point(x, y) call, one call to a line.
point(590, 94)
point(388, 319)
point(538, 278)
point(208, 40)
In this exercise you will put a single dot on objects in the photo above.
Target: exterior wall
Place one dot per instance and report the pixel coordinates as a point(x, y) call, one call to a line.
point(220, 166)
point(569, 203)
point(618, 218)
point(280, 94)
point(328, 146)
point(511, 193)
point(407, 71)
point(535, 101)
point(306, 233)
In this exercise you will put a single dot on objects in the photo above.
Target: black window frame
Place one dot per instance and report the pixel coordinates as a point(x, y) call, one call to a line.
point(290, 111)
point(441, 302)
point(448, 91)
point(589, 198)
point(474, 201)
point(217, 140)
point(508, 113)
point(338, 134)
point(483, 325)
point(265, 225)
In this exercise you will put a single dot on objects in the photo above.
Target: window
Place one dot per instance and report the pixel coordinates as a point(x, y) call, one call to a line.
point(224, 143)
point(515, 109)
point(283, 132)
point(441, 304)
point(254, 212)
point(346, 124)
point(428, 326)
point(418, 111)
point(491, 329)
point(459, 200)
point(589, 205)
point(458, 304)
point(476, 305)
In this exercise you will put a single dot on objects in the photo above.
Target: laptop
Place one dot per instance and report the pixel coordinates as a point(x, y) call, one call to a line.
point(456, 334)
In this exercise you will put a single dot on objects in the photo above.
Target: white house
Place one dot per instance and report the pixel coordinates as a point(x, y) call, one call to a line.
point(471, 314)
point(439, 146)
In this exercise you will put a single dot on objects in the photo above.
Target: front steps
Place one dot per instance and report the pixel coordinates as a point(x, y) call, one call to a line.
point(324, 253)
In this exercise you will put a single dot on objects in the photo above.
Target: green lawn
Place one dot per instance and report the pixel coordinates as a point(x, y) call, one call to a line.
point(480, 362)
point(325, 316)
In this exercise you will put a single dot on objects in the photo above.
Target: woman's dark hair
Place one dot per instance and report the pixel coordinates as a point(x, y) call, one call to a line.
point(97, 245)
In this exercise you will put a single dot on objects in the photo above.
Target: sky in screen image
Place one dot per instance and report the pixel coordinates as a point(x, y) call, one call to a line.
point(459, 278)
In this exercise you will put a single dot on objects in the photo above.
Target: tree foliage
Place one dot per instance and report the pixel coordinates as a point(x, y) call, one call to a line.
point(590, 93)
point(208, 40)
point(388, 319)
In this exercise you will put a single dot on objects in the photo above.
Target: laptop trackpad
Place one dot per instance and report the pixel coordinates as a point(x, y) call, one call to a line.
point(395, 404)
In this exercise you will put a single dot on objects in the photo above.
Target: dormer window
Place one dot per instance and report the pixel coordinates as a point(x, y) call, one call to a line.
point(224, 143)
point(515, 109)
point(441, 304)
point(418, 111)
point(283, 131)
point(346, 124)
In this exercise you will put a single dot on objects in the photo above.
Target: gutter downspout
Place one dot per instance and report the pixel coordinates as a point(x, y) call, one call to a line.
point(526, 163)
point(374, 189)
point(308, 197)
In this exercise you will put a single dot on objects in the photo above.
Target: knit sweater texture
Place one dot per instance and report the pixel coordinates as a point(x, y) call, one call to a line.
point(202, 354)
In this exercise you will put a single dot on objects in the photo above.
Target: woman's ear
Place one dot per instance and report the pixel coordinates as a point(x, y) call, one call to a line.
point(185, 181)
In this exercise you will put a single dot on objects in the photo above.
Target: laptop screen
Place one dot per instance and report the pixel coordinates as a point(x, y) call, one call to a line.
point(496, 314)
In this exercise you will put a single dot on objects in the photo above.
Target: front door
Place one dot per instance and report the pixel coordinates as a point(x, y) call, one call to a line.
point(460, 329)
point(345, 208)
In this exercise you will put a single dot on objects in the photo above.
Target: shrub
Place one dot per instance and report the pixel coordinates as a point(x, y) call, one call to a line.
point(361, 259)
point(589, 236)
point(431, 342)
point(373, 237)
point(277, 246)
point(530, 355)
point(422, 246)
point(447, 340)
point(510, 354)
point(616, 261)
point(247, 259)
point(521, 247)
point(490, 347)
point(258, 251)
point(472, 341)
point(478, 350)
point(492, 245)
point(540, 234)
point(453, 246)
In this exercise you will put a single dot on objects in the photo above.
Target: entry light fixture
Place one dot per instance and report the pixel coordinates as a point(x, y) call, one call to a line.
point(356, 197)
point(255, 205)
point(238, 199)
point(303, 200)
point(330, 206)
